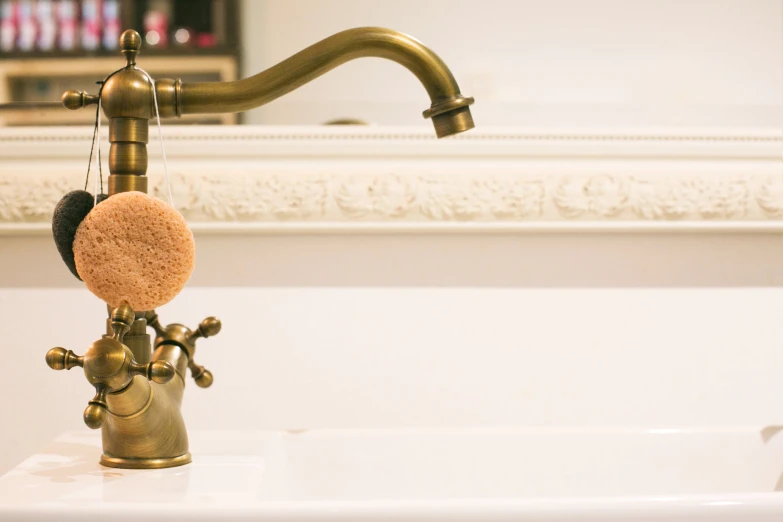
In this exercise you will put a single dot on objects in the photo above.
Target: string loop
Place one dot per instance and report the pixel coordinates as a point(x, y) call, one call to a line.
point(160, 136)
point(97, 131)
point(96, 134)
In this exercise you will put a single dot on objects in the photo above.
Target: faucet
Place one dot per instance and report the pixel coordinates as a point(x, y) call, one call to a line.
point(138, 392)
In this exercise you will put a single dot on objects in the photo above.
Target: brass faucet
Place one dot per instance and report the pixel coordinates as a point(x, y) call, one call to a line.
point(138, 393)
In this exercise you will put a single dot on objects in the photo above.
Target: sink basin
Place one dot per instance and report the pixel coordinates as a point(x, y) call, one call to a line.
point(720, 474)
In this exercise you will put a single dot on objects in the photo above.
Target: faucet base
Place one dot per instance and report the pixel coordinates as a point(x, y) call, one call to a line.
point(167, 462)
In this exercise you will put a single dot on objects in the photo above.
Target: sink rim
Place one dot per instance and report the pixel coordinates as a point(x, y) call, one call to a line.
point(747, 506)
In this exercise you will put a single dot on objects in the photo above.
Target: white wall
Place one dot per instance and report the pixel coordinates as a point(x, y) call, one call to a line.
point(539, 63)
point(388, 331)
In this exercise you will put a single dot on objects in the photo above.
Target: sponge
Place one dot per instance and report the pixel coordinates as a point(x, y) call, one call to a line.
point(68, 214)
point(135, 248)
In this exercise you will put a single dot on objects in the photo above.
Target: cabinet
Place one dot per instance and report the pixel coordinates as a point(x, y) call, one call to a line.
point(195, 40)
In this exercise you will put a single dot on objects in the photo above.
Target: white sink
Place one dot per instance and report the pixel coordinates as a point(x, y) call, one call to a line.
point(450, 475)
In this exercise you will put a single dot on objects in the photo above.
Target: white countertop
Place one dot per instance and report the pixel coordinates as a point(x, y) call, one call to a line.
point(531, 474)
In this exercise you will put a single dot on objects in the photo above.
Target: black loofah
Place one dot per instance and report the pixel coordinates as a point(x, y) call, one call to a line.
point(68, 215)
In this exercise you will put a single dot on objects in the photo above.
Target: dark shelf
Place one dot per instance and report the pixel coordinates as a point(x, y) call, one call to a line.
point(185, 51)
point(194, 13)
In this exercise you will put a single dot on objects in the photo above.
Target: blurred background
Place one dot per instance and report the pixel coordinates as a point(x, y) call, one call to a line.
point(532, 63)
point(511, 277)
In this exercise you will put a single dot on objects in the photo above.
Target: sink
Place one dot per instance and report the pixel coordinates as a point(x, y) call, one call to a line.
point(531, 474)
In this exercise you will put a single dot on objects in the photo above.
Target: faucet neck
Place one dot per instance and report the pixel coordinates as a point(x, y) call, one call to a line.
point(128, 154)
point(137, 338)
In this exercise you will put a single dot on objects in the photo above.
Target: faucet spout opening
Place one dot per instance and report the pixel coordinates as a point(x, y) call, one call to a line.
point(453, 122)
point(451, 116)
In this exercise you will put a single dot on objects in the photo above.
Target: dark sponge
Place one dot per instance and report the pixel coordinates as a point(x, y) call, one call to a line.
point(68, 215)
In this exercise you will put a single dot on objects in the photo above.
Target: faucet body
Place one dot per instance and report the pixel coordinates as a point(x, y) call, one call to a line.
point(138, 391)
point(138, 405)
point(145, 428)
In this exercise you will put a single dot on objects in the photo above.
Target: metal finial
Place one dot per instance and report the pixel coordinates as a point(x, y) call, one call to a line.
point(130, 43)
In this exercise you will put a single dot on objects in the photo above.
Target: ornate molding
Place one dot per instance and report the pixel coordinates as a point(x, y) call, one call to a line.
point(610, 190)
point(398, 198)
point(481, 197)
point(223, 133)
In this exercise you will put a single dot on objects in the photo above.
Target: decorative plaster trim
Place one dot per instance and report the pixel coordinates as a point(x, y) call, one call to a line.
point(374, 133)
point(734, 186)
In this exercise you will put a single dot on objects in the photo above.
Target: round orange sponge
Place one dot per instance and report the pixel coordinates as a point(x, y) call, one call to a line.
point(136, 248)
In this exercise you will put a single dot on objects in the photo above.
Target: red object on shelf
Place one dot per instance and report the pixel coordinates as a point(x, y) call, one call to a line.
point(28, 28)
point(47, 24)
point(206, 40)
point(91, 24)
point(111, 24)
point(68, 25)
point(8, 25)
point(156, 28)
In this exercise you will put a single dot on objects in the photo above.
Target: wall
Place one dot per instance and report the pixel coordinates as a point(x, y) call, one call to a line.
point(558, 63)
point(384, 353)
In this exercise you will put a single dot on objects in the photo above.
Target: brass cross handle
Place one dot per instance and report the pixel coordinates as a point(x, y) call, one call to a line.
point(109, 366)
point(186, 339)
point(207, 328)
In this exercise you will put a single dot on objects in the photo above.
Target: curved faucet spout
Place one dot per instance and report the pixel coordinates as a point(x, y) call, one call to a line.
point(449, 110)
point(129, 97)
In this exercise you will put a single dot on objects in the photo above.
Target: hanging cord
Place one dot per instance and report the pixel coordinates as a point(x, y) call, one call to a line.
point(100, 170)
point(96, 134)
point(160, 137)
point(92, 147)
point(97, 131)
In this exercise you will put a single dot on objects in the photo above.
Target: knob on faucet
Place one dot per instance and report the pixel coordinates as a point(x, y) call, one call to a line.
point(109, 365)
point(207, 328)
point(186, 339)
point(73, 100)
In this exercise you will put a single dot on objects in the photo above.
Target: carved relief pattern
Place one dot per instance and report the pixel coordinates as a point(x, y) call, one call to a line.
point(387, 196)
point(25, 199)
point(770, 196)
point(431, 197)
point(243, 198)
point(481, 198)
point(604, 195)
